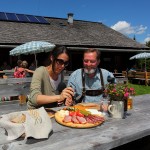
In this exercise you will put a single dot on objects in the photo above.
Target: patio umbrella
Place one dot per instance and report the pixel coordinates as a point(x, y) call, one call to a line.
point(32, 47)
point(141, 56)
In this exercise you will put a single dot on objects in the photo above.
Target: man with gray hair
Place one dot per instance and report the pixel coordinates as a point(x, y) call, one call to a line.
point(89, 82)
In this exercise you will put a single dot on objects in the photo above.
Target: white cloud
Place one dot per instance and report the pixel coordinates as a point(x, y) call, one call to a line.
point(140, 29)
point(147, 39)
point(126, 28)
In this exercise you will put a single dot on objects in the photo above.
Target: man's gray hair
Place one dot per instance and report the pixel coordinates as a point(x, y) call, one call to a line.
point(93, 50)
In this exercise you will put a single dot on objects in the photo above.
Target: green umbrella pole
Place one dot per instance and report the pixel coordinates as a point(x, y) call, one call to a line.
point(145, 64)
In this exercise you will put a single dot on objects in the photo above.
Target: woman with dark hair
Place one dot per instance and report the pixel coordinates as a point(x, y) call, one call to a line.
point(46, 80)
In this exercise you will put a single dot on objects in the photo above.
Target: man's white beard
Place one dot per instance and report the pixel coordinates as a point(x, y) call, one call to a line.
point(91, 71)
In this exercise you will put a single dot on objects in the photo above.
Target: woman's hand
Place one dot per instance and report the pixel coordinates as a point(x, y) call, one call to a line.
point(67, 94)
point(69, 102)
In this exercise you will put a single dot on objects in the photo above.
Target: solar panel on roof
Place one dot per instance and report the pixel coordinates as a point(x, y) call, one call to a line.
point(2, 16)
point(22, 17)
point(32, 18)
point(11, 16)
point(41, 19)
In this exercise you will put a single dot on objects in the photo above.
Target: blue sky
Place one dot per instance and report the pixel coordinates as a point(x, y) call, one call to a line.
point(129, 17)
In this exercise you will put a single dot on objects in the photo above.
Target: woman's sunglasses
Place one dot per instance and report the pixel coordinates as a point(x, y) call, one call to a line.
point(62, 62)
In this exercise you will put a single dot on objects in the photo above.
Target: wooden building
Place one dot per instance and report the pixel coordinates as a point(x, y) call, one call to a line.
point(76, 35)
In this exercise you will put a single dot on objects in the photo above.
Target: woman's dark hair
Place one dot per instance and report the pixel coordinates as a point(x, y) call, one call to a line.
point(56, 52)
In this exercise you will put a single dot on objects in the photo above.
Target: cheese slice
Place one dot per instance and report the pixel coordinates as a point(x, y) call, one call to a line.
point(94, 111)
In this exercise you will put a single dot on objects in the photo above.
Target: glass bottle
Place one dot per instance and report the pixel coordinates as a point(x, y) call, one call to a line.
point(130, 102)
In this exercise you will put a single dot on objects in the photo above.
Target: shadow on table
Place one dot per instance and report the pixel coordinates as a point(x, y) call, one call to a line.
point(141, 144)
point(32, 140)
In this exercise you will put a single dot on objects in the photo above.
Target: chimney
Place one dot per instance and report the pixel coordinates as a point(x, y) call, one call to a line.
point(70, 18)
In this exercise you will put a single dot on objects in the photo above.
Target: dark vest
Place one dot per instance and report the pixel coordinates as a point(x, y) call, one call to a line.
point(90, 92)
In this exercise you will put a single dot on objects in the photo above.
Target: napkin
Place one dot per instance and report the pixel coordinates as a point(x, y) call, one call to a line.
point(37, 124)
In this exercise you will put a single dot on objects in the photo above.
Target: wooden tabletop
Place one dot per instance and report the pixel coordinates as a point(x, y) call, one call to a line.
point(112, 133)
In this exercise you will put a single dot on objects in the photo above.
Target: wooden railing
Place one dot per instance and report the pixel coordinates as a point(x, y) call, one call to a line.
point(148, 75)
point(138, 75)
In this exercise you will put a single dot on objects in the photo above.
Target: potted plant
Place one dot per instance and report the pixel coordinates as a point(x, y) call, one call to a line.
point(119, 92)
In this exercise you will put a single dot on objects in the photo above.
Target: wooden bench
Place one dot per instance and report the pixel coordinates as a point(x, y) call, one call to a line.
point(121, 77)
point(118, 75)
point(131, 74)
point(140, 76)
point(14, 86)
point(124, 74)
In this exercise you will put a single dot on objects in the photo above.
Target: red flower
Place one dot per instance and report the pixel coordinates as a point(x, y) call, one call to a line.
point(118, 91)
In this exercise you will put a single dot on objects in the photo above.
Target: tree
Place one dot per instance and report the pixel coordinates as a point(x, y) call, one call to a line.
point(148, 43)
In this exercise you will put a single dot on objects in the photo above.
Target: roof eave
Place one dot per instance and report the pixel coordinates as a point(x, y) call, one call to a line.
point(110, 49)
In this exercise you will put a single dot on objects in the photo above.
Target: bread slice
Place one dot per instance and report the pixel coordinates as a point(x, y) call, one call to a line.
point(90, 105)
point(19, 119)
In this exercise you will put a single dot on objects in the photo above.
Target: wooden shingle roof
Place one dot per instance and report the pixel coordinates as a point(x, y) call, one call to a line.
point(59, 32)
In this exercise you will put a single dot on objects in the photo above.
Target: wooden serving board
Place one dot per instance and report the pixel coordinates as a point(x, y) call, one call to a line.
point(74, 125)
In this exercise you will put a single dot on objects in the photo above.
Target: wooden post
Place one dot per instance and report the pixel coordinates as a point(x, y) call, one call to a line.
point(146, 81)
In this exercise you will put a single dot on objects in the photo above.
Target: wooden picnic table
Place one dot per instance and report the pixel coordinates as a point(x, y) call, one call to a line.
point(112, 133)
point(8, 73)
point(118, 75)
point(14, 86)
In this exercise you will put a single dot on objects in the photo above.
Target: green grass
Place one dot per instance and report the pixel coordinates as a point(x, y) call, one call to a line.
point(140, 89)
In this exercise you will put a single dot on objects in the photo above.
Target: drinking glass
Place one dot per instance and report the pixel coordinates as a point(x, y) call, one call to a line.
point(22, 99)
point(104, 106)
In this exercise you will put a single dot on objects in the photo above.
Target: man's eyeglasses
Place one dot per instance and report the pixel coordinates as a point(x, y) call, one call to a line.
point(62, 62)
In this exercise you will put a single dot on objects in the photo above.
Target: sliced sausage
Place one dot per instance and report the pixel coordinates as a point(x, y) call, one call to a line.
point(67, 119)
point(82, 120)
